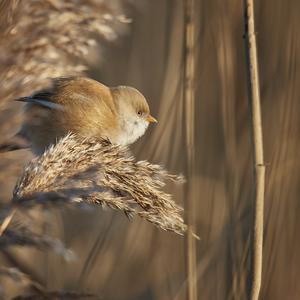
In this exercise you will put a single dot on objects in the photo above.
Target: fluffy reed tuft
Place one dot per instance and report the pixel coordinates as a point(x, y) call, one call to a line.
point(50, 38)
point(78, 170)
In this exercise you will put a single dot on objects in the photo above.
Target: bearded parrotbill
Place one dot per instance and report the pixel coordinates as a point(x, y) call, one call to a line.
point(86, 108)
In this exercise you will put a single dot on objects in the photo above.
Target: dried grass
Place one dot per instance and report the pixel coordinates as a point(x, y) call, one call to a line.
point(49, 38)
point(56, 295)
point(78, 170)
point(19, 277)
point(24, 237)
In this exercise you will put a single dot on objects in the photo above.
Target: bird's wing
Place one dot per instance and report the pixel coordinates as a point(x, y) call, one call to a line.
point(45, 97)
point(35, 99)
point(84, 92)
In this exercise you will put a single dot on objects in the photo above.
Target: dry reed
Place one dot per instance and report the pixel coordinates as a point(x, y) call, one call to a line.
point(19, 278)
point(257, 139)
point(51, 38)
point(57, 295)
point(189, 99)
point(23, 236)
point(78, 170)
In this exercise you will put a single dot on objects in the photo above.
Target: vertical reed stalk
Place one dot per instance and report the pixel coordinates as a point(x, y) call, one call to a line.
point(257, 137)
point(7, 221)
point(189, 100)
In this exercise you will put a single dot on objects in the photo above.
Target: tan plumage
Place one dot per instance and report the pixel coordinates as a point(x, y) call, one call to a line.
point(87, 108)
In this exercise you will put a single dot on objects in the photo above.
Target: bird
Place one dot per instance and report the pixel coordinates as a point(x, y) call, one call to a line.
point(86, 108)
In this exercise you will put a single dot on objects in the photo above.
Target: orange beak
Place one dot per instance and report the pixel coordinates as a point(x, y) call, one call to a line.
point(150, 119)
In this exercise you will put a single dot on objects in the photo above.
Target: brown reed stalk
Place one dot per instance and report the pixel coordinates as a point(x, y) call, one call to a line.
point(257, 138)
point(189, 100)
point(7, 221)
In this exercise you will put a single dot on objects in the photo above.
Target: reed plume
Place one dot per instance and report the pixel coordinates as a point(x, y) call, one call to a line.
point(78, 170)
point(45, 39)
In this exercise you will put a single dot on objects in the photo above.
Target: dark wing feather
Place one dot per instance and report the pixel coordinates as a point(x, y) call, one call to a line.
point(44, 97)
point(41, 102)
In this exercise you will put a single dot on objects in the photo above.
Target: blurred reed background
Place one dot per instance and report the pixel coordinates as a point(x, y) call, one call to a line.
point(121, 259)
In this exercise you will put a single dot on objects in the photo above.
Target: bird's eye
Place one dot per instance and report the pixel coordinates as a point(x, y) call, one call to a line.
point(139, 113)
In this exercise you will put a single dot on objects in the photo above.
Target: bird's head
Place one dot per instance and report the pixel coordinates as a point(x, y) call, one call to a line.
point(134, 113)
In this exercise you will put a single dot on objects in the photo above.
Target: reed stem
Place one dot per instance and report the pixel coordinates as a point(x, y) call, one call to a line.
point(257, 138)
point(189, 100)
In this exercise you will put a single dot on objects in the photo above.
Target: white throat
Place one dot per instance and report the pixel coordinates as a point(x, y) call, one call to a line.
point(132, 128)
